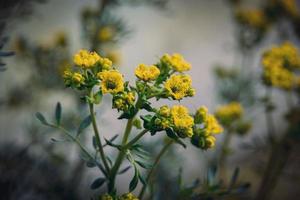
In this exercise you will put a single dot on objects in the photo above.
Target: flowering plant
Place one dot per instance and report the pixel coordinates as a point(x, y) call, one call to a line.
point(95, 76)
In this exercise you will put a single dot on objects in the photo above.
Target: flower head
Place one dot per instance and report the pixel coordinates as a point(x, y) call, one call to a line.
point(111, 81)
point(183, 122)
point(147, 73)
point(105, 63)
point(179, 86)
point(128, 196)
point(201, 115)
point(106, 197)
point(86, 59)
point(252, 17)
point(176, 61)
point(229, 113)
point(212, 125)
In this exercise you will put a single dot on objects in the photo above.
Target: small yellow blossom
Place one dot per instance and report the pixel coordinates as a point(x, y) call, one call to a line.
point(114, 56)
point(111, 81)
point(177, 62)
point(106, 34)
point(86, 59)
point(229, 113)
point(201, 114)
point(183, 122)
point(106, 197)
point(210, 141)
point(105, 63)
point(212, 125)
point(164, 111)
point(147, 73)
point(128, 196)
point(67, 74)
point(77, 78)
point(179, 86)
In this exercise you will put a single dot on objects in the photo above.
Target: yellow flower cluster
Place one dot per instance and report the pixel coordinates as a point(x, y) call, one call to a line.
point(128, 196)
point(86, 59)
point(147, 73)
point(106, 34)
point(183, 122)
point(73, 77)
point(124, 100)
point(252, 17)
point(177, 62)
point(179, 86)
point(278, 63)
point(211, 126)
point(229, 113)
point(111, 81)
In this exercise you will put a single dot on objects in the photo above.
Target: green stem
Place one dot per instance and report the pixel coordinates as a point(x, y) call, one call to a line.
point(223, 155)
point(134, 140)
point(80, 146)
point(97, 136)
point(157, 159)
point(120, 157)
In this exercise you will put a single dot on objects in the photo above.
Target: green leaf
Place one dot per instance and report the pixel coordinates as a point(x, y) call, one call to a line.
point(171, 134)
point(234, 178)
point(111, 140)
point(97, 183)
point(58, 111)
point(98, 97)
point(91, 164)
point(142, 179)
point(134, 181)
point(41, 118)
point(143, 165)
point(124, 170)
point(84, 124)
point(178, 141)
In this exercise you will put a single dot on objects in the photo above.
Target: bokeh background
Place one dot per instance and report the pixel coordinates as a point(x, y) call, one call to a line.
point(204, 32)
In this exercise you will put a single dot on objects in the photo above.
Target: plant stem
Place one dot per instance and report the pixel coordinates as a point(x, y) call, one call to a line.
point(223, 155)
point(97, 136)
point(120, 157)
point(279, 155)
point(134, 140)
point(80, 146)
point(161, 153)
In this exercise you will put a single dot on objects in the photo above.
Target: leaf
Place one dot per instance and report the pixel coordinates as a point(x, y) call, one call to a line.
point(142, 179)
point(234, 178)
point(134, 181)
point(58, 111)
point(98, 97)
point(41, 118)
point(91, 164)
point(178, 141)
point(6, 53)
point(97, 183)
point(171, 134)
point(143, 165)
point(84, 124)
point(111, 139)
point(124, 170)
point(112, 144)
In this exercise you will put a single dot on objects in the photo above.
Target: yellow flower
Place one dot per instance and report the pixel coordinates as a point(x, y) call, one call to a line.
point(212, 125)
point(278, 65)
point(114, 56)
point(106, 197)
point(201, 114)
point(164, 111)
point(210, 141)
point(291, 7)
point(128, 196)
point(183, 122)
point(229, 112)
point(77, 78)
point(179, 86)
point(67, 74)
point(177, 62)
point(147, 73)
point(106, 34)
point(252, 17)
point(86, 59)
point(111, 81)
point(105, 63)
